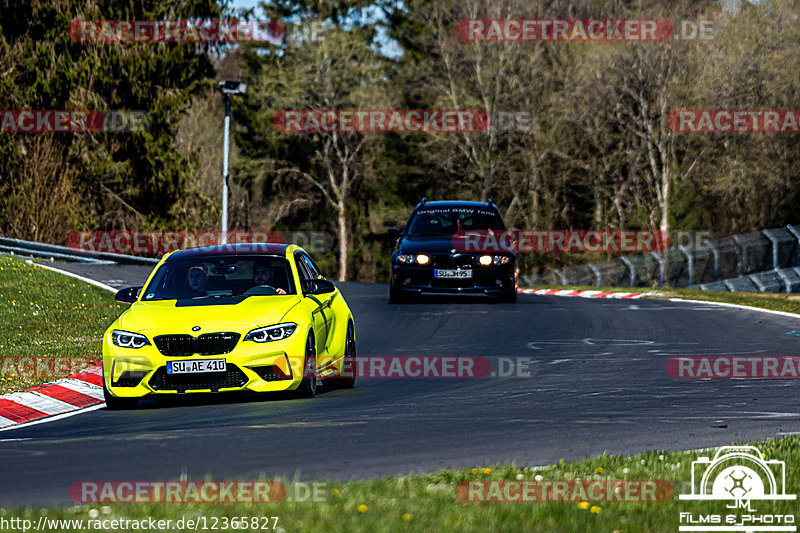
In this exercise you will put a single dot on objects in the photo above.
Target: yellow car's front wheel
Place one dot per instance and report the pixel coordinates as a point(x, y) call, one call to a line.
point(308, 387)
point(116, 404)
point(346, 379)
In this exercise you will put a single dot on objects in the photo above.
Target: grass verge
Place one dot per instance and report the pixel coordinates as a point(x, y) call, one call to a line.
point(52, 324)
point(428, 502)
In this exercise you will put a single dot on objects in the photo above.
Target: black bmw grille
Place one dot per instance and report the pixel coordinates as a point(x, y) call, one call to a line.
point(233, 377)
point(207, 344)
point(452, 260)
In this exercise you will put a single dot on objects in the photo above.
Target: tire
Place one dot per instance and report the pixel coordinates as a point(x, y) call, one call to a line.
point(347, 377)
point(118, 404)
point(510, 297)
point(395, 296)
point(308, 386)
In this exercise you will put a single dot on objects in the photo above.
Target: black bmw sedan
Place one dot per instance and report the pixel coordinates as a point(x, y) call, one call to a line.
point(432, 253)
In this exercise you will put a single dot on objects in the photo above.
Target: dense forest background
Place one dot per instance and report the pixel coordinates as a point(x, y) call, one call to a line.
point(598, 152)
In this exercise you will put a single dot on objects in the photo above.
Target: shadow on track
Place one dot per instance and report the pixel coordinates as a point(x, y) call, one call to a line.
point(200, 399)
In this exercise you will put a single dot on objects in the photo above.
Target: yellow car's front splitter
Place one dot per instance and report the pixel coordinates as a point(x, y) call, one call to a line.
point(136, 373)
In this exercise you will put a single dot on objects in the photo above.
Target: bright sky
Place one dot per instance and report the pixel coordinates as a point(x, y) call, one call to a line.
point(246, 4)
point(387, 47)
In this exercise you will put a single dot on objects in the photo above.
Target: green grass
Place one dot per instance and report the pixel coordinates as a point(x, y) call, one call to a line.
point(428, 502)
point(51, 323)
point(776, 301)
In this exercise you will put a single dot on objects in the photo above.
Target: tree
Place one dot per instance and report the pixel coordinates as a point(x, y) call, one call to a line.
point(497, 77)
point(121, 180)
point(338, 70)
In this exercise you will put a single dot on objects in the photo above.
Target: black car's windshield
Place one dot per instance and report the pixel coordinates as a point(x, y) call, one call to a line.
point(222, 277)
point(449, 220)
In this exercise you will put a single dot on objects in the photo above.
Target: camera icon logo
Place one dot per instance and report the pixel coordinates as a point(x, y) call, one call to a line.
point(738, 473)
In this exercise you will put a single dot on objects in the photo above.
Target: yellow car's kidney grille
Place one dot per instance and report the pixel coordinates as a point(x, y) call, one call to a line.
point(186, 345)
point(233, 377)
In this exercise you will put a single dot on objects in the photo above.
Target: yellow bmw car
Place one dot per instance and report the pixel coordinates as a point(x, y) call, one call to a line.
point(241, 317)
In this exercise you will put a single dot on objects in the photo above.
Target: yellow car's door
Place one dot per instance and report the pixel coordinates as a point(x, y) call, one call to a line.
point(320, 308)
point(326, 308)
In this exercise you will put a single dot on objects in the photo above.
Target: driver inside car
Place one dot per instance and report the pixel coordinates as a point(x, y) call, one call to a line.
point(198, 280)
point(263, 275)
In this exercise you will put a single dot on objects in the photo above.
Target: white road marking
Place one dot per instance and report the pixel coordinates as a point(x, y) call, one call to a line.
point(782, 313)
point(76, 276)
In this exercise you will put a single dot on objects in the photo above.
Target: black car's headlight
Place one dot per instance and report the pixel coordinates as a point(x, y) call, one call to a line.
point(126, 339)
point(487, 260)
point(271, 333)
point(406, 259)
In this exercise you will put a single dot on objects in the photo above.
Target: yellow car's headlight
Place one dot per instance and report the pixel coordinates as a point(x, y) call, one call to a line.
point(126, 339)
point(271, 333)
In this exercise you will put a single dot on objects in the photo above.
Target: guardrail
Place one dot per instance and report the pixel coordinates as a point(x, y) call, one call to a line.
point(762, 261)
point(38, 249)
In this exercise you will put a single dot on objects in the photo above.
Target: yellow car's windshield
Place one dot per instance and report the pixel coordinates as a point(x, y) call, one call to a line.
point(211, 279)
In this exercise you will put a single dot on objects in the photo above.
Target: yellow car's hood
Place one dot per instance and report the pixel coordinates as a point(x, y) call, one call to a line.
point(164, 317)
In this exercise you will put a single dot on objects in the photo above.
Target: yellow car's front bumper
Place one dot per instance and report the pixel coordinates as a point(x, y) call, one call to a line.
point(251, 366)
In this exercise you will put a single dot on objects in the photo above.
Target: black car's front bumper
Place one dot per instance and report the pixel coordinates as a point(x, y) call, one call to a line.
point(493, 280)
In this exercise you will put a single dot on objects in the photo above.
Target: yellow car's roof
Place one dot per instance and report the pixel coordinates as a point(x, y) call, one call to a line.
point(233, 249)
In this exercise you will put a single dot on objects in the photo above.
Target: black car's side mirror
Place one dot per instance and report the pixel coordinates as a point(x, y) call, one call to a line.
point(394, 233)
point(317, 286)
point(127, 295)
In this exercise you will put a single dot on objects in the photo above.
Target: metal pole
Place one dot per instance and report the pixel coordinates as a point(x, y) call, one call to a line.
point(224, 238)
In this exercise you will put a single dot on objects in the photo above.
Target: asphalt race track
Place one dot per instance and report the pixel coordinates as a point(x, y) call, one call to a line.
point(599, 385)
